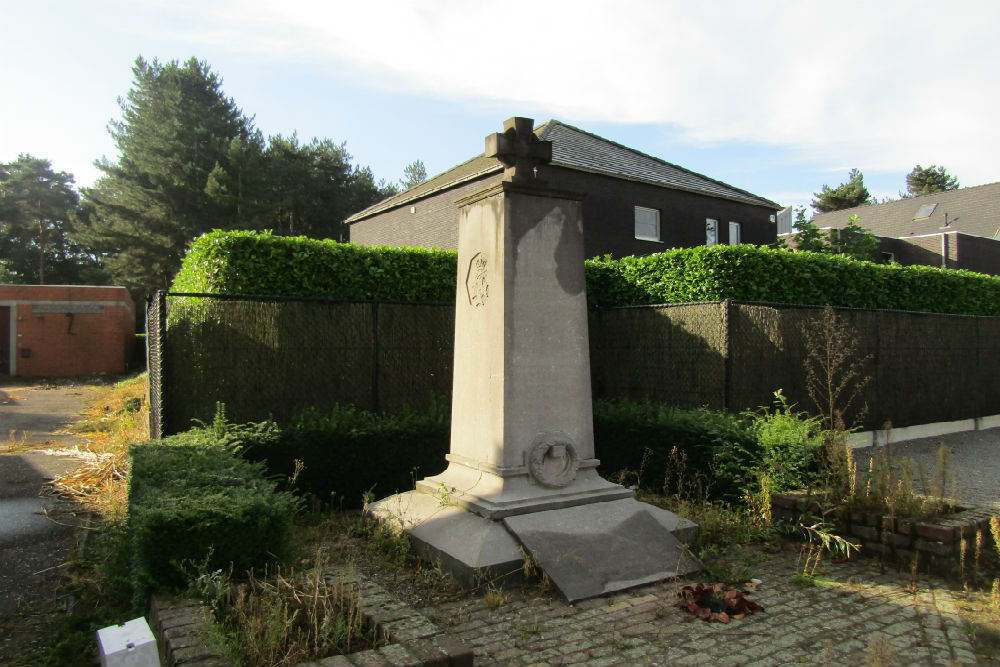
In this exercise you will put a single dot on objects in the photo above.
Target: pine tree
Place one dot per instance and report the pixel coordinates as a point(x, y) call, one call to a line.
point(414, 174)
point(807, 237)
point(37, 205)
point(313, 188)
point(184, 151)
point(922, 181)
point(846, 195)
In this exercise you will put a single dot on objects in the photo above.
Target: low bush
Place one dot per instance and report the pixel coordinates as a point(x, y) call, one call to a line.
point(790, 446)
point(347, 453)
point(193, 499)
point(673, 450)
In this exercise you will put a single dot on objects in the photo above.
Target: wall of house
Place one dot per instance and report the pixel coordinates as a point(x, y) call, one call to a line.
point(431, 222)
point(59, 330)
point(608, 216)
point(977, 253)
point(963, 251)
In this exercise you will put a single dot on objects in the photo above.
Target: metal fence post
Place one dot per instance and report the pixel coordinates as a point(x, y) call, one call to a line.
point(156, 331)
point(727, 383)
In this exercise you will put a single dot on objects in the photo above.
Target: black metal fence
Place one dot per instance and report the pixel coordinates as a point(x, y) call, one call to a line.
point(268, 356)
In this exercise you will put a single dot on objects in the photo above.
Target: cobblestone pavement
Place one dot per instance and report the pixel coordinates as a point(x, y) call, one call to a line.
point(855, 614)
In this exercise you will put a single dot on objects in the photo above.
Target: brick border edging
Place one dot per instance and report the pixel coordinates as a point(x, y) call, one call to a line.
point(180, 628)
point(945, 544)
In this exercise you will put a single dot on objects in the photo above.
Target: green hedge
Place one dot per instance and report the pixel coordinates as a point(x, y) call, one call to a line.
point(194, 500)
point(714, 457)
point(347, 452)
point(259, 263)
point(751, 273)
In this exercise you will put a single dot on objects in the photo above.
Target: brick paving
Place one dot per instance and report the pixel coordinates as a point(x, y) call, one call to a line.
point(854, 615)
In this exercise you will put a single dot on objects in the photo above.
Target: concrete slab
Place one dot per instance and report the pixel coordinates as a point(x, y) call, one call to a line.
point(472, 548)
point(596, 549)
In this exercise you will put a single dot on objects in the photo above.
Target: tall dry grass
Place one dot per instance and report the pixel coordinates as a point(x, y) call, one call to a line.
point(117, 417)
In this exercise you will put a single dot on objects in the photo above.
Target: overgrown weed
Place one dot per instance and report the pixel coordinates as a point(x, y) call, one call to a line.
point(117, 418)
point(284, 617)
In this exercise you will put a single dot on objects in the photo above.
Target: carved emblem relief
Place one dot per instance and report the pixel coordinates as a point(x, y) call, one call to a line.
point(552, 460)
point(476, 281)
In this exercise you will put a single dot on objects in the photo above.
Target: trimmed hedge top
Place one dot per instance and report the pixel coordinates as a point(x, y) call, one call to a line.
point(259, 263)
point(238, 262)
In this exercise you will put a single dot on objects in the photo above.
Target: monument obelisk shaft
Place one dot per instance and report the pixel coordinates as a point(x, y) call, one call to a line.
point(522, 424)
point(521, 476)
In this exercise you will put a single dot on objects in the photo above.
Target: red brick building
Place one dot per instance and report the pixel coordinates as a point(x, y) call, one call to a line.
point(61, 330)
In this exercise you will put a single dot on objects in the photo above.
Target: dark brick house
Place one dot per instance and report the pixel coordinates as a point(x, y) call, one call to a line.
point(634, 204)
point(955, 229)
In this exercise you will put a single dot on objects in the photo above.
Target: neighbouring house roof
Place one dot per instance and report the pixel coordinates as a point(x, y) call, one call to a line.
point(974, 210)
point(577, 149)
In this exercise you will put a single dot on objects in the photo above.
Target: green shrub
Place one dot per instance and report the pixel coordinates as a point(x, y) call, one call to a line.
point(789, 446)
point(751, 273)
point(346, 453)
point(258, 263)
point(235, 262)
point(677, 451)
point(193, 499)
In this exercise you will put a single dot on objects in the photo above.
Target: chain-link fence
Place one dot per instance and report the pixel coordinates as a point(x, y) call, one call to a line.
point(268, 357)
point(264, 356)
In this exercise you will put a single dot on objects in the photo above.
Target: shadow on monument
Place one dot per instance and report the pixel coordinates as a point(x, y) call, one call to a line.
point(521, 480)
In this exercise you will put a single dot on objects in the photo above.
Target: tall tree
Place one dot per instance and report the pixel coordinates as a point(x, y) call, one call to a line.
point(923, 181)
point(846, 195)
point(414, 173)
point(313, 188)
point(183, 150)
point(36, 208)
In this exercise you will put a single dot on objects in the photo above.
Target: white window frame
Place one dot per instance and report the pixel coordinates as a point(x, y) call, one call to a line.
point(711, 232)
point(735, 233)
point(644, 219)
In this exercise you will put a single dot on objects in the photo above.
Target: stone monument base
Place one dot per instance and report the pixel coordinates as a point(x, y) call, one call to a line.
point(586, 550)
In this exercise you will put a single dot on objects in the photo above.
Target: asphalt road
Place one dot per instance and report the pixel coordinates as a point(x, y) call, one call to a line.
point(975, 462)
point(37, 534)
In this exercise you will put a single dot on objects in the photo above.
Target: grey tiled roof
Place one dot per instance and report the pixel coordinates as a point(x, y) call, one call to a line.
point(973, 210)
point(574, 148)
point(578, 149)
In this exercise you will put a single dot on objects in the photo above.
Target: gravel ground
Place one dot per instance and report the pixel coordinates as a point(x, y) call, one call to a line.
point(975, 458)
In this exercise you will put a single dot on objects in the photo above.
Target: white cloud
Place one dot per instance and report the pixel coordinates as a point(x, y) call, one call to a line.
point(880, 86)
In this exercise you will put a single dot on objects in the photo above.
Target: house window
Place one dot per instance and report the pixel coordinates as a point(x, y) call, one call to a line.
point(647, 223)
point(734, 233)
point(711, 232)
point(888, 257)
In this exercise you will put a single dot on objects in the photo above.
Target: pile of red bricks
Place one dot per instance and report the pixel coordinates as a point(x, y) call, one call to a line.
point(945, 544)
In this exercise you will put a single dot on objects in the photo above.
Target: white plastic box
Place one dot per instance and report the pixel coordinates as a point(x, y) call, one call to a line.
point(130, 644)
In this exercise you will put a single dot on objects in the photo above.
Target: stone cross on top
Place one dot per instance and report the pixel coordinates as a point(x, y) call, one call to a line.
point(519, 150)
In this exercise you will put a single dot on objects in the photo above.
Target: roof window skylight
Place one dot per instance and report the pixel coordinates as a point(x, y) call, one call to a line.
point(924, 211)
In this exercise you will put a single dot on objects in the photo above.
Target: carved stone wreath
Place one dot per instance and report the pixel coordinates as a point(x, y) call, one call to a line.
point(552, 460)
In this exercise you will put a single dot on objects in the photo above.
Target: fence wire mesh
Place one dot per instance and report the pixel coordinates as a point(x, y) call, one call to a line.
point(271, 357)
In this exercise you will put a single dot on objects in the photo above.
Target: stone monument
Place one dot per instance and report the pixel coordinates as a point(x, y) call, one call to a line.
point(521, 477)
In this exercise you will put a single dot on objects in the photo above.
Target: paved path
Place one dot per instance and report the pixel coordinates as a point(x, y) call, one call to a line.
point(36, 537)
point(857, 615)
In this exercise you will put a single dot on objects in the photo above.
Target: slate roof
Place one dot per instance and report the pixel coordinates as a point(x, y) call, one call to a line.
point(577, 149)
point(974, 210)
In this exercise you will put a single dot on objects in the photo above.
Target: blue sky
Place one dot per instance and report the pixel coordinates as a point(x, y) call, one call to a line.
point(776, 98)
